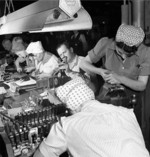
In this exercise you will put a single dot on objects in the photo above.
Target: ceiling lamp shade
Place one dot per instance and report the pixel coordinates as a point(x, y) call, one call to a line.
point(47, 16)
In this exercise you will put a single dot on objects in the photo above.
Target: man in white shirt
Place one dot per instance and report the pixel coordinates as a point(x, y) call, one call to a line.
point(45, 62)
point(94, 130)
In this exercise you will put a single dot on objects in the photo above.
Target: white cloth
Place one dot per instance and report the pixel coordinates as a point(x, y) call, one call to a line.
point(35, 48)
point(99, 130)
point(49, 66)
point(2, 90)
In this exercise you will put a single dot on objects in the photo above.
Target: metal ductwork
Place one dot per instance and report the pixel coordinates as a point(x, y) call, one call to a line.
point(125, 12)
point(47, 16)
point(138, 13)
point(133, 12)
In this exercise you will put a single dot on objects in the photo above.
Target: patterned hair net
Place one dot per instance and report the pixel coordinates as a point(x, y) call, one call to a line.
point(130, 35)
point(17, 44)
point(35, 48)
point(74, 93)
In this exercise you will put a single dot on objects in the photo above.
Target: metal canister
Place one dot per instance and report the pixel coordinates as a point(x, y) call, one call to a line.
point(12, 139)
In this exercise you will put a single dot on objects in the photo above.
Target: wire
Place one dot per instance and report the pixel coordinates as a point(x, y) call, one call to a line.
point(8, 6)
point(124, 2)
point(12, 5)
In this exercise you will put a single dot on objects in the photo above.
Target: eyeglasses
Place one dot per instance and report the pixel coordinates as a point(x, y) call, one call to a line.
point(129, 50)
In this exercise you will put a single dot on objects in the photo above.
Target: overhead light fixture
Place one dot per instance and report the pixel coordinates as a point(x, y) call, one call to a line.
point(82, 21)
point(47, 16)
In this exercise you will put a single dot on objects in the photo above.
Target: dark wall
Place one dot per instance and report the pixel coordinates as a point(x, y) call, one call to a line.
point(107, 14)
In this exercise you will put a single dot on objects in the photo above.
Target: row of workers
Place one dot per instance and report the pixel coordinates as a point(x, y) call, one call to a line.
point(95, 128)
point(98, 129)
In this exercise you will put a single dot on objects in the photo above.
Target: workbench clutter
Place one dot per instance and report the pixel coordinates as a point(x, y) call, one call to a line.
point(25, 129)
point(29, 115)
point(2, 71)
point(24, 82)
point(2, 95)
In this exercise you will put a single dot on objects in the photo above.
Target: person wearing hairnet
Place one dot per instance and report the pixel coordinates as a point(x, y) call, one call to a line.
point(9, 57)
point(23, 61)
point(127, 62)
point(45, 62)
point(94, 129)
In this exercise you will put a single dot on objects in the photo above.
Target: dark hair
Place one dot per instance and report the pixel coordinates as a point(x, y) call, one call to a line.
point(130, 50)
point(31, 54)
point(66, 43)
point(5, 40)
point(18, 39)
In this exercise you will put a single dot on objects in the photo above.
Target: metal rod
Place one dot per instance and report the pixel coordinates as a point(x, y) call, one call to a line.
point(124, 2)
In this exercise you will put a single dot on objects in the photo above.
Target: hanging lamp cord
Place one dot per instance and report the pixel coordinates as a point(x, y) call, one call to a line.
point(8, 7)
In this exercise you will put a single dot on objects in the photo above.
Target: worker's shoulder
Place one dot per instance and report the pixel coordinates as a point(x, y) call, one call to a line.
point(143, 50)
point(104, 42)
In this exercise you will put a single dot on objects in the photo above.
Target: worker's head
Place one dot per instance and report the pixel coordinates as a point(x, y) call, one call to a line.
point(74, 94)
point(36, 49)
point(6, 43)
point(128, 39)
point(18, 47)
point(65, 52)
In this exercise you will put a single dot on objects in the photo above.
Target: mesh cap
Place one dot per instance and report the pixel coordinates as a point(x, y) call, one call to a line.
point(74, 93)
point(130, 35)
point(35, 48)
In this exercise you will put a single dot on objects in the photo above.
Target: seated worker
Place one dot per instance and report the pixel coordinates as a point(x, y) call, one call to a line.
point(45, 62)
point(23, 61)
point(71, 63)
point(7, 45)
point(7, 55)
point(127, 62)
point(94, 129)
point(79, 42)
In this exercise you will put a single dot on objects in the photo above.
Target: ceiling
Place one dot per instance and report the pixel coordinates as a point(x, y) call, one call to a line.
point(95, 7)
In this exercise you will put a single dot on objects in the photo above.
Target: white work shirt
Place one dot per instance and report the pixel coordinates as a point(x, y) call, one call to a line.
point(99, 130)
point(75, 64)
point(48, 65)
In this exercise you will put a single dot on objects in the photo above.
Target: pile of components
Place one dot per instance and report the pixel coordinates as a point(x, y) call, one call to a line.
point(23, 132)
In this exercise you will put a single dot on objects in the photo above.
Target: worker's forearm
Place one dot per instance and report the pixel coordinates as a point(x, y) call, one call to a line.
point(17, 64)
point(133, 84)
point(89, 67)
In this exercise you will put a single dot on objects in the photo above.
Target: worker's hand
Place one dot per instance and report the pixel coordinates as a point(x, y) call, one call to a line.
point(52, 97)
point(40, 76)
point(112, 78)
point(104, 73)
point(29, 69)
point(64, 66)
point(19, 69)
